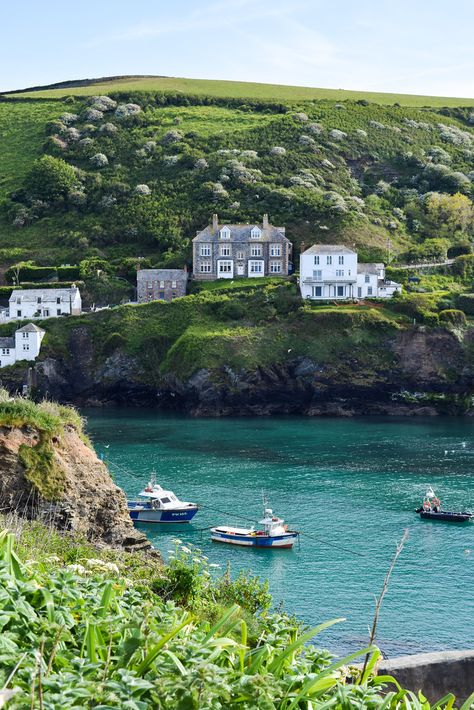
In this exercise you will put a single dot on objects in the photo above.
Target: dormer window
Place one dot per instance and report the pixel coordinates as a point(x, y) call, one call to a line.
point(225, 233)
point(255, 233)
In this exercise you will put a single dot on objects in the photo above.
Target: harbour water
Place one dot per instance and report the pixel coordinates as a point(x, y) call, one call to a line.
point(351, 484)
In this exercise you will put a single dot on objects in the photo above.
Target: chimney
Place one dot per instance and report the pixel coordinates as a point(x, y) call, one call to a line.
point(265, 221)
point(215, 223)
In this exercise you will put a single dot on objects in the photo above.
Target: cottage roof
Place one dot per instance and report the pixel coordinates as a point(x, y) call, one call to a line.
point(162, 275)
point(329, 249)
point(241, 233)
point(30, 328)
point(7, 342)
point(46, 294)
point(373, 268)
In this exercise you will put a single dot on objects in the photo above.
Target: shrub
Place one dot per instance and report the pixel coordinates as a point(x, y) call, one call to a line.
point(465, 301)
point(277, 150)
point(93, 114)
point(300, 117)
point(337, 135)
point(142, 190)
point(99, 160)
point(173, 136)
point(68, 118)
point(113, 342)
point(125, 110)
point(51, 178)
point(103, 103)
point(108, 128)
point(453, 317)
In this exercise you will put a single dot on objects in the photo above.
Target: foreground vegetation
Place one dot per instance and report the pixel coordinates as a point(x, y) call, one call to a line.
point(84, 631)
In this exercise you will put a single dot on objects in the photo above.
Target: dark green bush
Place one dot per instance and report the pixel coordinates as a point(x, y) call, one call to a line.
point(113, 342)
point(465, 301)
point(452, 316)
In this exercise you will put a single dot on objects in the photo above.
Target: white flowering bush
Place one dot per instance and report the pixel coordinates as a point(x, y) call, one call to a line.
point(218, 191)
point(108, 128)
point(382, 187)
point(327, 164)
point(86, 142)
point(399, 214)
point(360, 132)
point(235, 205)
point(241, 174)
point(125, 110)
point(278, 150)
point(93, 114)
point(439, 155)
point(356, 202)
point(336, 202)
point(142, 190)
point(149, 147)
point(337, 135)
point(395, 129)
point(306, 141)
point(78, 198)
point(201, 164)
point(421, 125)
point(454, 135)
point(377, 124)
point(172, 136)
point(315, 128)
point(68, 118)
point(249, 155)
point(301, 117)
point(170, 160)
point(103, 103)
point(99, 160)
point(59, 142)
point(141, 153)
point(107, 201)
point(72, 134)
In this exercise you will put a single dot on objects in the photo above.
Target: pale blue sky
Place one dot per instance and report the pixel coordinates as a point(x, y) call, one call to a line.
point(412, 46)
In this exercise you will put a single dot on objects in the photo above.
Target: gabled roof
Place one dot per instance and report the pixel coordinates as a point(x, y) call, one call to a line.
point(241, 233)
point(7, 342)
point(47, 294)
point(329, 249)
point(373, 268)
point(30, 328)
point(162, 275)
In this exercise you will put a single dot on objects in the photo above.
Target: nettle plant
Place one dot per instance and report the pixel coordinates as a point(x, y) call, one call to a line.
point(85, 636)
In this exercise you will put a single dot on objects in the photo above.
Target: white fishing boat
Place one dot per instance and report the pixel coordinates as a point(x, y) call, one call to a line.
point(157, 505)
point(274, 533)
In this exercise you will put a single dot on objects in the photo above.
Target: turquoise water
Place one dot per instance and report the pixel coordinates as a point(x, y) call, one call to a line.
point(353, 483)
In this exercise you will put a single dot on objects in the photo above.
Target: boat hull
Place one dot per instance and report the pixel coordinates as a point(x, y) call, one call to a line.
point(277, 541)
point(143, 514)
point(445, 516)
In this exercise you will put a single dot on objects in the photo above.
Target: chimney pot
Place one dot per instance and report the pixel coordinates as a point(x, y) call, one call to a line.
point(215, 222)
point(265, 221)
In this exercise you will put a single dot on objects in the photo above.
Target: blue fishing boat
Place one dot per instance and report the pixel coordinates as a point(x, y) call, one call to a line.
point(274, 534)
point(157, 505)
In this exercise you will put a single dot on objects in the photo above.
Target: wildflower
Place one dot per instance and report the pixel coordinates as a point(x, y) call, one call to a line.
point(185, 549)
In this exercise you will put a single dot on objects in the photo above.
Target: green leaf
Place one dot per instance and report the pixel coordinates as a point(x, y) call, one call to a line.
point(280, 659)
point(144, 666)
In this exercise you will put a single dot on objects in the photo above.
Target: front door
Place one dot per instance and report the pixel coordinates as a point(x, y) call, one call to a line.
point(240, 269)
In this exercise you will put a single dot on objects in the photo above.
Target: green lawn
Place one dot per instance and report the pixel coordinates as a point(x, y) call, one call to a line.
point(241, 89)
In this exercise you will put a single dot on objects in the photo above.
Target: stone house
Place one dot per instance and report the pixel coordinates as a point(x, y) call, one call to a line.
point(161, 284)
point(227, 251)
point(44, 303)
point(332, 271)
point(25, 344)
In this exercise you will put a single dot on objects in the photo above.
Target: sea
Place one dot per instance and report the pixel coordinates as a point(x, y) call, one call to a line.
point(350, 486)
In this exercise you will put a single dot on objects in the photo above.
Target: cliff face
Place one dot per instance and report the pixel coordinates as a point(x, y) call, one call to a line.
point(416, 371)
point(60, 480)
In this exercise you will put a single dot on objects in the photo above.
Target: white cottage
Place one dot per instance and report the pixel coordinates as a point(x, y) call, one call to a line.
point(332, 272)
point(44, 303)
point(25, 344)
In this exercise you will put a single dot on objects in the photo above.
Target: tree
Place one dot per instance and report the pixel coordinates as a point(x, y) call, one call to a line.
point(50, 179)
point(450, 213)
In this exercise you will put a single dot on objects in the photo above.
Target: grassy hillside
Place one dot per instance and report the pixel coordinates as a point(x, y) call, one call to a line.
point(135, 174)
point(239, 89)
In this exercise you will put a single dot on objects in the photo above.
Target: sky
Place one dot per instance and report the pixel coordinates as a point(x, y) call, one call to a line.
point(401, 46)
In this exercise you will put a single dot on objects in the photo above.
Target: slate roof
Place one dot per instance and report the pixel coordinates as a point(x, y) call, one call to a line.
point(47, 294)
point(369, 268)
point(162, 275)
point(329, 249)
point(241, 233)
point(30, 328)
point(7, 342)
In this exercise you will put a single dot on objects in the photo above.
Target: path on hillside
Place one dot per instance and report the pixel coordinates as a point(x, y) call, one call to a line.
point(426, 265)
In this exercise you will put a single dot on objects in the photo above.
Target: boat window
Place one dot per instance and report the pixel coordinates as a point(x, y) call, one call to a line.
point(165, 500)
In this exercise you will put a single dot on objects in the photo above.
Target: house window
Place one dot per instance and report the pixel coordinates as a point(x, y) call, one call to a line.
point(275, 267)
point(359, 291)
point(225, 267)
point(367, 279)
point(256, 250)
point(224, 250)
point(256, 267)
point(5, 351)
point(329, 260)
point(340, 290)
point(58, 311)
point(58, 300)
point(341, 260)
point(369, 291)
point(46, 313)
point(24, 335)
point(255, 233)
point(318, 274)
point(205, 267)
point(18, 300)
point(18, 314)
point(317, 291)
point(275, 249)
point(339, 272)
point(161, 295)
point(205, 250)
point(225, 233)
point(240, 255)
point(316, 260)
point(38, 300)
point(173, 284)
point(26, 346)
point(162, 284)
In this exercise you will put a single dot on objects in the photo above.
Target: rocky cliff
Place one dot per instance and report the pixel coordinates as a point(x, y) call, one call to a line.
point(49, 471)
point(417, 370)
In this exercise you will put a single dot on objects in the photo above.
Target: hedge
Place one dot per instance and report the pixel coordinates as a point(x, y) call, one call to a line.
point(31, 273)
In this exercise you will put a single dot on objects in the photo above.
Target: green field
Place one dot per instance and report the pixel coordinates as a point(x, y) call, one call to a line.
point(244, 89)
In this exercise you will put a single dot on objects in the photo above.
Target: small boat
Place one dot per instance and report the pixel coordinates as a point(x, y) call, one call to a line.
point(160, 506)
point(431, 510)
point(274, 533)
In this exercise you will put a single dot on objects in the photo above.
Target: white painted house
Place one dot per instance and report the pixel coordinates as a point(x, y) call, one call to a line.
point(44, 303)
point(332, 272)
point(25, 344)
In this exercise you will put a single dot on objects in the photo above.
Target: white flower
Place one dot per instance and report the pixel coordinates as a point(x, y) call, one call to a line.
point(142, 190)
point(185, 549)
point(124, 110)
point(99, 160)
point(93, 114)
